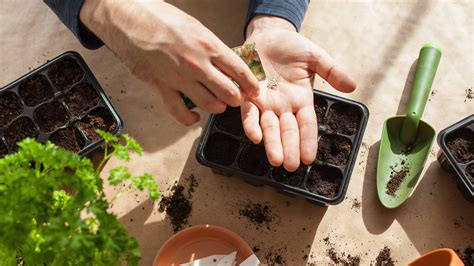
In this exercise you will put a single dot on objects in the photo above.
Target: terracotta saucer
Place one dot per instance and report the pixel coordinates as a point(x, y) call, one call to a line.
point(201, 241)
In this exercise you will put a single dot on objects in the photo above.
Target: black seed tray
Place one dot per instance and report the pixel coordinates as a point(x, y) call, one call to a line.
point(60, 101)
point(226, 150)
point(459, 161)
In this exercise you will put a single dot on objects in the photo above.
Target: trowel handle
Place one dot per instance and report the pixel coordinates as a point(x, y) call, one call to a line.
point(428, 62)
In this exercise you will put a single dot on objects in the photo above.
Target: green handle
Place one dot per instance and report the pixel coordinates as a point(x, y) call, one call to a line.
point(189, 104)
point(428, 62)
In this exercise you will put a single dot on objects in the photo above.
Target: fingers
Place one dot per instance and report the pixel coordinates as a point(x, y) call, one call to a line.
point(223, 88)
point(322, 64)
point(250, 121)
point(234, 67)
point(290, 140)
point(271, 138)
point(308, 129)
point(204, 99)
point(175, 106)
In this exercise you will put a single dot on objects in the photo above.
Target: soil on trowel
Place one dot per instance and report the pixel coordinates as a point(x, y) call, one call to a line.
point(20, 129)
point(289, 178)
point(343, 118)
point(35, 90)
point(221, 149)
point(69, 139)
point(384, 258)
point(253, 160)
point(178, 206)
point(65, 73)
point(461, 144)
point(334, 149)
point(324, 180)
point(397, 178)
point(230, 121)
point(466, 255)
point(258, 214)
point(10, 107)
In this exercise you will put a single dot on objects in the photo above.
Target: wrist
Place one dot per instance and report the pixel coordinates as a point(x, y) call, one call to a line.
point(262, 23)
point(92, 15)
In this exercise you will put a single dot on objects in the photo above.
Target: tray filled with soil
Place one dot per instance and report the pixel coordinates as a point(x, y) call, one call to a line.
point(457, 153)
point(227, 151)
point(62, 102)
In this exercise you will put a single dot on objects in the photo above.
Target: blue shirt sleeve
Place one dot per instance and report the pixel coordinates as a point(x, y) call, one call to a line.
point(291, 10)
point(68, 13)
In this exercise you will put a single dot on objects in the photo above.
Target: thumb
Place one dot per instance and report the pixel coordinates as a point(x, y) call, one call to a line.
point(322, 64)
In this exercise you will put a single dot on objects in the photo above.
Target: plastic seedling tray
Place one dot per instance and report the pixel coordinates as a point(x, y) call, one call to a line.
point(342, 122)
point(457, 154)
point(61, 101)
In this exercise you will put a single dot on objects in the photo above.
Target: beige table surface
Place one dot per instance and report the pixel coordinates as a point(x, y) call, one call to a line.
point(376, 41)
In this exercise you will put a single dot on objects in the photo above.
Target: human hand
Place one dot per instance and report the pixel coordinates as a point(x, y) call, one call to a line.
point(171, 52)
point(283, 114)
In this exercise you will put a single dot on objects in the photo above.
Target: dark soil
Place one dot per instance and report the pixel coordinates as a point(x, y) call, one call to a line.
point(50, 116)
point(3, 149)
point(470, 173)
point(339, 259)
point(35, 90)
point(178, 207)
point(99, 118)
point(356, 204)
point(81, 98)
point(10, 107)
point(274, 257)
point(343, 118)
point(324, 180)
point(230, 121)
point(20, 129)
point(221, 149)
point(65, 73)
point(289, 178)
point(253, 160)
point(334, 149)
point(396, 178)
point(258, 214)
point(469, 93)
point(467, 256)
point(461, 144)
point(69, 139)
point(384, 258)
point(320, 105)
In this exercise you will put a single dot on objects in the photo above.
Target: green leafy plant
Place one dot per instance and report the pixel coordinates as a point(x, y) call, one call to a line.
point(53, 210)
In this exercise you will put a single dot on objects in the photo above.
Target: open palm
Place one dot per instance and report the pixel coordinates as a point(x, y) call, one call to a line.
point(283, 114)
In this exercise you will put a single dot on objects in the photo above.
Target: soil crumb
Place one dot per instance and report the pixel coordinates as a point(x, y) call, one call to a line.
point(258, 214)
point(275, 257)
point(396, 178)
point(467, 256)
point(178, 207)
point(469, 94)
point(356, 204)
point(384, 258)
point(339, 258)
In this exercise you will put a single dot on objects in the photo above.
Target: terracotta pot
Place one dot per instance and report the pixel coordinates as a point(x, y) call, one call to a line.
point(201, 241)
point(438, 257)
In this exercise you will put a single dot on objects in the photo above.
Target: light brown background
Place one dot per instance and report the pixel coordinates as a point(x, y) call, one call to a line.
point(376, 41)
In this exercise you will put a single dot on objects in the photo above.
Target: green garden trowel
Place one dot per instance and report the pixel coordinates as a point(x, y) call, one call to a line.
point(406, 140)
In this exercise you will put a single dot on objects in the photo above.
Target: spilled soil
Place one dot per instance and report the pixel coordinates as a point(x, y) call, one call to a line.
point(177, 205)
